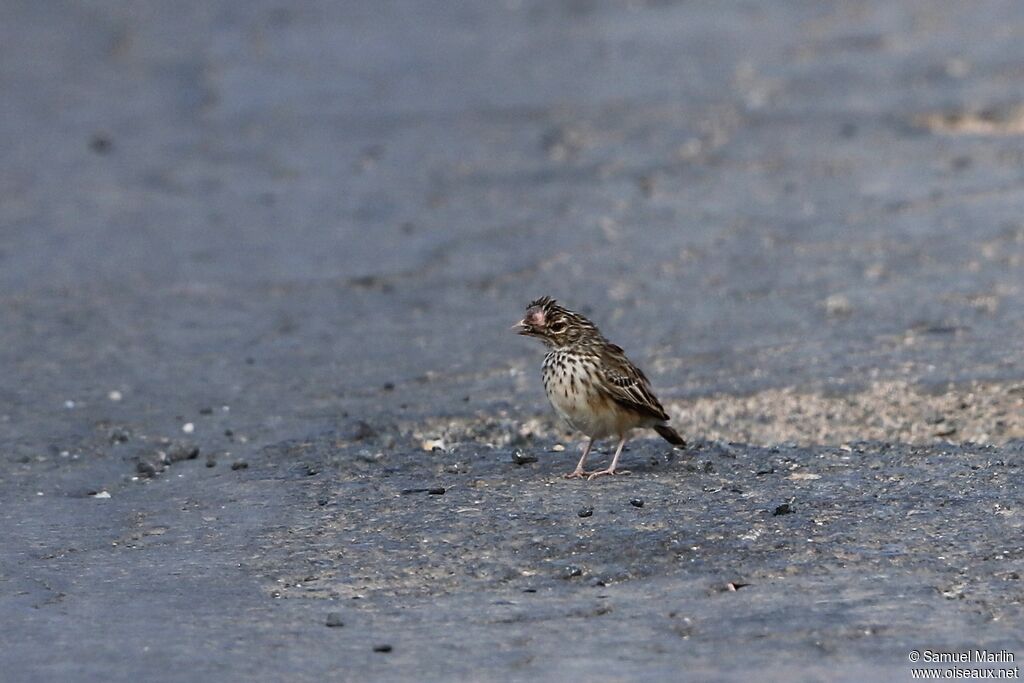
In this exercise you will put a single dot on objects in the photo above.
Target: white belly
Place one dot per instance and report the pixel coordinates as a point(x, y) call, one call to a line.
point(573, 396)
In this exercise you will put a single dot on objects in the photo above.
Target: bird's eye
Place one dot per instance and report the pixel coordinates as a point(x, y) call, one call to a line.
point(558, 327)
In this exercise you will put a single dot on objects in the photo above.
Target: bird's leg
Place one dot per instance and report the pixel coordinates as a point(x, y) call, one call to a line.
point(578, 473)
point(615, 461)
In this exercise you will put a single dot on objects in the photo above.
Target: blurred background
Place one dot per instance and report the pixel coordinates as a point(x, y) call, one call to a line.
point(295, 235)
point(307, 209)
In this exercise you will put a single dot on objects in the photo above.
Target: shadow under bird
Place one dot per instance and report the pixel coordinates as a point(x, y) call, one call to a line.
point(590, 382)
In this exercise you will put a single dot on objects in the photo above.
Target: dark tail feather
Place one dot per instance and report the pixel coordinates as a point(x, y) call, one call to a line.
point(670, 435)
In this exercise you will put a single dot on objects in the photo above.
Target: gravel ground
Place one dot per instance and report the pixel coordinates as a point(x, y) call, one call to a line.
point(261, 416)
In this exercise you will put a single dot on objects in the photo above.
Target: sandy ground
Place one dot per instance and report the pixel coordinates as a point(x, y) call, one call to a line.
point(261, 416)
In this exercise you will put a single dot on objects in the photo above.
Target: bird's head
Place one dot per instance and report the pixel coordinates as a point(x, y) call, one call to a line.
point(555, 325)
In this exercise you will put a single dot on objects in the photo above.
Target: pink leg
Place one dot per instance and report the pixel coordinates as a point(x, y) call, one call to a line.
point(578, 473)
point(615, 461)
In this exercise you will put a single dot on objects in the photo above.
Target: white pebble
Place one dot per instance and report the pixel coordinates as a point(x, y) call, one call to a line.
point(558, 448)
point(101, 494)
point(431, 444)
point(188, 428)
point(69, 404)
point(115, 395)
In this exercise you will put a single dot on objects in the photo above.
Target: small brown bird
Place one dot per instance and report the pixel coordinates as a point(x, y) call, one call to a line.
point(590, 382)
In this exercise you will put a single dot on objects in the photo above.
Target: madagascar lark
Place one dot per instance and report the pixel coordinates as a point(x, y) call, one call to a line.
point(590, 382)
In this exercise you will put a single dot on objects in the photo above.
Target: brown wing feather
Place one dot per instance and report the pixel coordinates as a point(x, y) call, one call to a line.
point(627, 385)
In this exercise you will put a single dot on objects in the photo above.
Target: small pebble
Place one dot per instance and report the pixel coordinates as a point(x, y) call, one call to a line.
point(182, 451)
point(433, 445)
point(101, 144)
point(636, 502)
point(188, 428)
point(382, 648)
point(211, 461)
point(783, 509)
point(572, 571)
point(436, 491)
point(146, 468)
point(334, 620)
point(69, 404)
point(558, 448)
point(364, 430)
point(239, 465)
point(115, 396)
point(206, 411)
point(101, 494)
point(521, 458)
point(585, 511)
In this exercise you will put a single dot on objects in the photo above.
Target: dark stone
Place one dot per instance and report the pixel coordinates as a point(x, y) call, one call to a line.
point(585, 511)
point(334, 620)
point(362, 431)
point(118, 435)
point(179, 451)
point(636, 502)
point(521, 458)
point(783, 509)
point(572, 571)
point(146, 468)
point(239, 465)
point(101, 143)
point(382, 648)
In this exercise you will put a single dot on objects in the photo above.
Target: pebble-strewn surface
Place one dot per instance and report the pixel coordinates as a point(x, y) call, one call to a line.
point(261, 416)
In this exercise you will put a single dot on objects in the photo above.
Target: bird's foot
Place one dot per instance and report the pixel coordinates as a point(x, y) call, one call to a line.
point(609, 471)
point(578, 473)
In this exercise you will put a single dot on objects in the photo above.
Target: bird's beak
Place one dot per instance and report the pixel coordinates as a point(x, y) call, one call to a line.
point(521, 327)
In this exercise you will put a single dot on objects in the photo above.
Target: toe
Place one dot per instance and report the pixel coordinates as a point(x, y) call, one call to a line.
point(606, 472)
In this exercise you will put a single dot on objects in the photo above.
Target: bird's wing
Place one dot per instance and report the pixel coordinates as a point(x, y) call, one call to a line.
point(626, 384)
